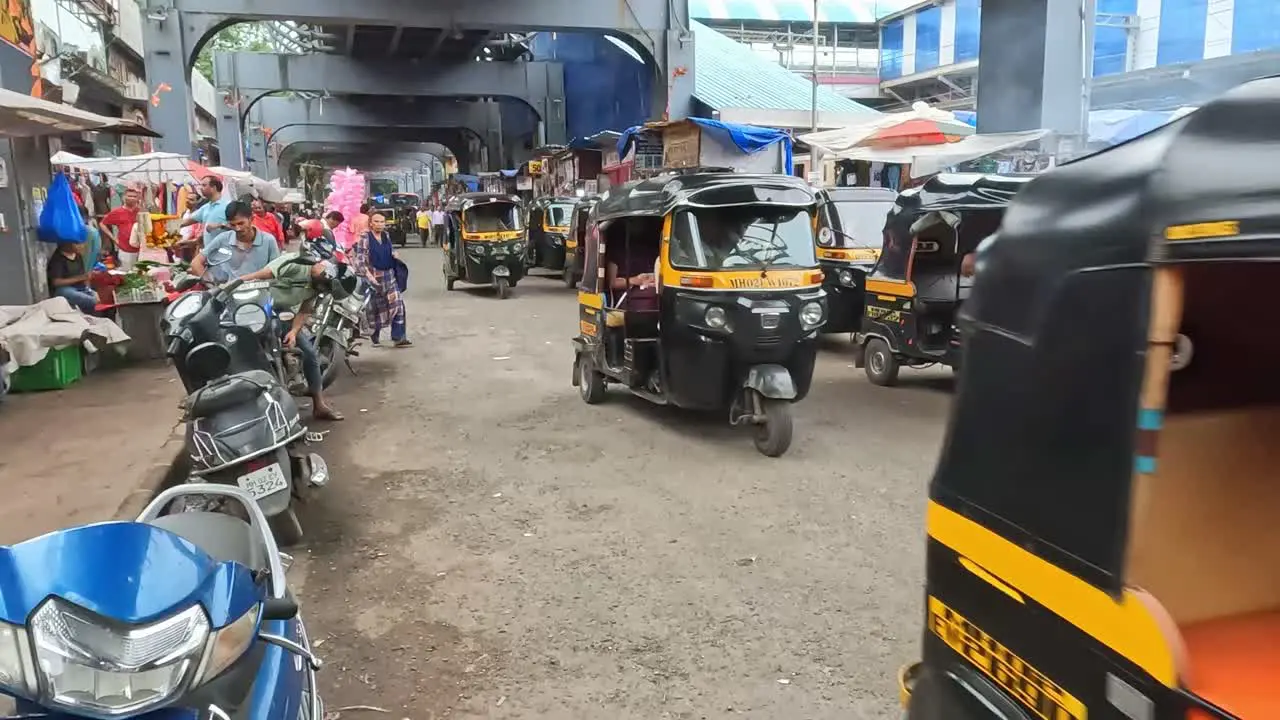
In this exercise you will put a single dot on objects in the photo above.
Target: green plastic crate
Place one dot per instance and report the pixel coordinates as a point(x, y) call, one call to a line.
point(57, 370)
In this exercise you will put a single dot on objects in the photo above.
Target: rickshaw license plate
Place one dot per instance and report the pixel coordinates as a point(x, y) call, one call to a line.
point(263, 481)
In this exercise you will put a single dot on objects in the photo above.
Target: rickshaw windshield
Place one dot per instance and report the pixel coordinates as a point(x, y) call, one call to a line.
point(743, 236)
point(858, 224)
point(492, 217)
point(559, 215)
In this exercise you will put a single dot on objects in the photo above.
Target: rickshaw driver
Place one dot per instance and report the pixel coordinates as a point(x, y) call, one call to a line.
point(639, 286)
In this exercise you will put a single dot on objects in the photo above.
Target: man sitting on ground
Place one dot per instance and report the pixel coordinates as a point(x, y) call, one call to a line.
point(68, 278)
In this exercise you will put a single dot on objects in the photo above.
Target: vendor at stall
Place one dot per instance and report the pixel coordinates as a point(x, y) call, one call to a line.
point(68, 278)
point(120, 227)
point(213, 214)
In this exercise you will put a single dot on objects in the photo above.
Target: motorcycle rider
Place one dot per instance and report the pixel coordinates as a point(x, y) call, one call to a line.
point(294, 286)
point(251, 248)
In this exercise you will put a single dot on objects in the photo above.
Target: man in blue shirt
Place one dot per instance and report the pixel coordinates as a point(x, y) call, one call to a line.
point(213, 214)
point(251, 249)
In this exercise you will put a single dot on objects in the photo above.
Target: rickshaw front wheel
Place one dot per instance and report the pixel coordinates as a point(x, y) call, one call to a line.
point(882, 365)
point(590, 383)
point(773, 436)
point(503, 287)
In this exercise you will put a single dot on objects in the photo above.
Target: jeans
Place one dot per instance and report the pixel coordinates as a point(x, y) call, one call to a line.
point(310, 362)
point(82, 298)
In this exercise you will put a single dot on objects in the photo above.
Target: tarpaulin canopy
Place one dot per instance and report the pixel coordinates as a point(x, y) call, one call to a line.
point(149, 167)
point(930, 159)
point(25, 116)
point(748, 138)
point(838, 140)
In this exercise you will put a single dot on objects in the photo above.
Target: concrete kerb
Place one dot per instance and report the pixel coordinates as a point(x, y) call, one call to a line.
point(170, 465)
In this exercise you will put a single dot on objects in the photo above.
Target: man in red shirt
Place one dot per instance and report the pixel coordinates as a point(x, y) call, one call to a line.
point(118, 226)
point(267, 222)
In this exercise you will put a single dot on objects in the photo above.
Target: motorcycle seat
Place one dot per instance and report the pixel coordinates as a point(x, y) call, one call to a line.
point(229, 391)
point(223, 537)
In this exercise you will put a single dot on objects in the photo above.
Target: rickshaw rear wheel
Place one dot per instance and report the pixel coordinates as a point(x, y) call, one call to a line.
point(503, 288)
point(773, 436)
point(882, 365)
point(591, 384)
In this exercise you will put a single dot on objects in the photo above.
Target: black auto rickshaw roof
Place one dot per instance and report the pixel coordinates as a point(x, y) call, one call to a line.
point(464, 201)
point(658, 196)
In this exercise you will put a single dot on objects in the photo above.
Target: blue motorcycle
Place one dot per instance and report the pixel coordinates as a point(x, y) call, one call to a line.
point(171, 617)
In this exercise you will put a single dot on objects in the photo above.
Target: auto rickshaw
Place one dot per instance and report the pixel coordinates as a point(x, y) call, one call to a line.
point(1102, 535)
point(920, 279)
point(850, 226)
point(578, 223)
point(484, 241)
point(548, 223)
point(703, 292)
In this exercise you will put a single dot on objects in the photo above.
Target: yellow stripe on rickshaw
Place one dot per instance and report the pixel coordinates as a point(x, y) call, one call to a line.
point(591, 300)
point(491, 236)
point(1202, 231)
point(889, 287)
point(1125, 625)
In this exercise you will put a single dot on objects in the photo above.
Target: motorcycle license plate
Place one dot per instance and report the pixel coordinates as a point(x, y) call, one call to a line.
point(264, 481)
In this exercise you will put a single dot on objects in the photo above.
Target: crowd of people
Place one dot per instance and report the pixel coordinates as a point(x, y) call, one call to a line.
point(256, 237)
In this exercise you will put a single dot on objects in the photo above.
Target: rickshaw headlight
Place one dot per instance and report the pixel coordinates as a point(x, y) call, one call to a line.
point(826, 237)
point(846, 277)
point(811, 315)
point(716, 318)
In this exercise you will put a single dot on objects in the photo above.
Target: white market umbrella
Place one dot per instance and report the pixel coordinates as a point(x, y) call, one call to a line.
point(146, 168)
point(930, 159)
point(838, 140)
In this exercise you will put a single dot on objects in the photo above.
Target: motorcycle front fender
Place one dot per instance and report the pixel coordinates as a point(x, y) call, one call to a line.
point(334, 334)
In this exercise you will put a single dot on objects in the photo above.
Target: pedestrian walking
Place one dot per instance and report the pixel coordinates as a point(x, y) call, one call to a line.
point(375, 258)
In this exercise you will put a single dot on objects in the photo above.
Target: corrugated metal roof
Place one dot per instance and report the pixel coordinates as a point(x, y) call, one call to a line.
point(731, 75)
point(841, 11)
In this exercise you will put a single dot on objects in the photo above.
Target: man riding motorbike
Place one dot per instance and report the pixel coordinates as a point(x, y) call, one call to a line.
point(251, 248)
point(294, 285)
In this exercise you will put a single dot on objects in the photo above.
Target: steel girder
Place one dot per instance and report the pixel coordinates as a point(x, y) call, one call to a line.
point(279, 114)
point(176, 30)
point(253, 76)
point(469, 151)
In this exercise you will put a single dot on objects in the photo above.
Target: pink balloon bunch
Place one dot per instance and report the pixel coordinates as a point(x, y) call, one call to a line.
point(346, 194)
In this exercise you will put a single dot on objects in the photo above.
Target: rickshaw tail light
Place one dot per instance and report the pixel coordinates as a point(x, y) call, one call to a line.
point(697, 281)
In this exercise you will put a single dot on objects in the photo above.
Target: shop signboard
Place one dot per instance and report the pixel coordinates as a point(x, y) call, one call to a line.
point(648, 154)
point(681, 145)
point(536, 167)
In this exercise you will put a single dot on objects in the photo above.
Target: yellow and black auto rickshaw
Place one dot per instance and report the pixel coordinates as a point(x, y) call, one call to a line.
point(710, 297)
point(921, 277)
point(850, 226)
point(1102, 524)
point(484, 241)
point(548, 223)
point(578, 223)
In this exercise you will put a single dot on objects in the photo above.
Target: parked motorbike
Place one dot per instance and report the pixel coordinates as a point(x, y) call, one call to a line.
point(336, 323)
point(243, 427)
point(186, 616)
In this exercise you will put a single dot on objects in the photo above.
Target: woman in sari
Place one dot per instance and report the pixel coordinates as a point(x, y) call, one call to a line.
point(375, 258)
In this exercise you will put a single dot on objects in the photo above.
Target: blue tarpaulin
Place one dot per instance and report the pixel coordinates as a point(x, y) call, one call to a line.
point(471, 181)
point(1111, 127)
point(510, 173)
point(748, 138)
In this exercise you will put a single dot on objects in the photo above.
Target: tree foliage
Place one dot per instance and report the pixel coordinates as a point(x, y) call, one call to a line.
point(244, 37)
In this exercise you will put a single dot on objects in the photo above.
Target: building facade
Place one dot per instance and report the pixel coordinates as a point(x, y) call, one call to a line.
point(1147, 54)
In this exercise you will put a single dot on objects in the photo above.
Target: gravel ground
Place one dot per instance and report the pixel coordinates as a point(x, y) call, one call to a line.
point(492, 547)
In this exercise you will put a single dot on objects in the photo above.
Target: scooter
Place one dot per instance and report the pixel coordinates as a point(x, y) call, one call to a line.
point(185, 616)
point(243, 427)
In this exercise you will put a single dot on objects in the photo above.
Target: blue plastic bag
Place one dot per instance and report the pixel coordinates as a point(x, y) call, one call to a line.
point(60, 220)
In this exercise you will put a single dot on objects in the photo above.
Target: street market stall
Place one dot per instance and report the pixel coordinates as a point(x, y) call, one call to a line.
point(702, 143)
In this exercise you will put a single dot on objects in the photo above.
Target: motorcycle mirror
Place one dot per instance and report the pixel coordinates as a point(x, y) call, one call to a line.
point(285, 608)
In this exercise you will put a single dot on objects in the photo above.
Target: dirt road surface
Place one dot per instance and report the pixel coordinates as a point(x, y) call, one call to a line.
point(492, 547)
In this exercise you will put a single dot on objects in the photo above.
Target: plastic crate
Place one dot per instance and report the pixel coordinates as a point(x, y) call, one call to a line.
point(138, 296)
point(56, 371)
